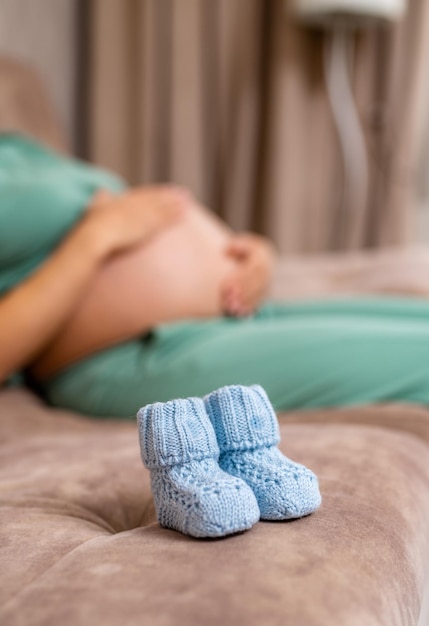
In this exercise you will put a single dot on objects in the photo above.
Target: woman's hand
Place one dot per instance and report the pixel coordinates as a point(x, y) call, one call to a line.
point(120, 222)
point(246, 288)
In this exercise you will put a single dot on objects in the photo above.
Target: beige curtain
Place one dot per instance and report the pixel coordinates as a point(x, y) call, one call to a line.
point(228, 97)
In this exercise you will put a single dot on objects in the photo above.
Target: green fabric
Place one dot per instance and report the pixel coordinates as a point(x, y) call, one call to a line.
point(42, 195)
point(316, 354)
point(307, 355)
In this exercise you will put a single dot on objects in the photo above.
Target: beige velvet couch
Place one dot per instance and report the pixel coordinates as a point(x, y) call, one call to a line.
point(79, 540)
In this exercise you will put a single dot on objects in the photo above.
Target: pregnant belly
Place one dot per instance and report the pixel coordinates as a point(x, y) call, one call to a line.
point(177, 275)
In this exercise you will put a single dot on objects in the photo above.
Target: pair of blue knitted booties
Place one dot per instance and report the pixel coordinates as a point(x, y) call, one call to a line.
point(215, 466)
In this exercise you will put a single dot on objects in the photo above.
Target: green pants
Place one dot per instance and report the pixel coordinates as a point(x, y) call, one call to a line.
point(313, 354)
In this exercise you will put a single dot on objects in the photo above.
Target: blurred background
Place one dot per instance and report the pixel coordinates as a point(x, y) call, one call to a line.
point(231, 98)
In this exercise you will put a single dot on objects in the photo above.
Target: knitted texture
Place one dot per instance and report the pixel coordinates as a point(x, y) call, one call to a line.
point(247, 432)
point(191, 493)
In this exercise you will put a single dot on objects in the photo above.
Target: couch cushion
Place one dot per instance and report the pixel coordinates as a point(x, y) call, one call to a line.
point(408, 418)
point(80, 543)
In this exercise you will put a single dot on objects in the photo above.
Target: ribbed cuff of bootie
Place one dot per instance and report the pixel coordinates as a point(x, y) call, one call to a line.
point(242, 417)
point(173, 433)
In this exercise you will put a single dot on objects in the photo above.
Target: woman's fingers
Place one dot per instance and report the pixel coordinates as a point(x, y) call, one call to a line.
point(246, 288)
point(160, 193)
point(242, 293)
point(167, 212)
point(100, 198)
point(232, 301)
point(238, 247)
point(126, 220)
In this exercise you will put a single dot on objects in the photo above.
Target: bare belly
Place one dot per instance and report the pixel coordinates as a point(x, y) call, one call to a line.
point(177, 275)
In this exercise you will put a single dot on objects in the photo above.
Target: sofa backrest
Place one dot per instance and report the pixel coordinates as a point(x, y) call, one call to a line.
point(25, 105)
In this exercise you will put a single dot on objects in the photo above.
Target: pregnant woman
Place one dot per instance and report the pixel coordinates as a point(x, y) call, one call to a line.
point(111, 298)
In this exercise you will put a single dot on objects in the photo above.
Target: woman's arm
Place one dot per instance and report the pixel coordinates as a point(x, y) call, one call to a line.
point(34, 312)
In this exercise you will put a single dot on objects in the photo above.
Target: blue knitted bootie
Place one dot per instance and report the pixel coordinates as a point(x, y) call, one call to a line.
point(191, 493)
point(247, 432)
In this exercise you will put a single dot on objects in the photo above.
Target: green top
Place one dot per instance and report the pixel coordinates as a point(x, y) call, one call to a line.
point(42, 196)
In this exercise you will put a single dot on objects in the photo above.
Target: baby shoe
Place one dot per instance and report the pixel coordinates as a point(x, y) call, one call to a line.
point(191, 493)
point(247, 432)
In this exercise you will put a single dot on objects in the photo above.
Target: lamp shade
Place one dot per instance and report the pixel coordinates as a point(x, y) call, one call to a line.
point(324, 10)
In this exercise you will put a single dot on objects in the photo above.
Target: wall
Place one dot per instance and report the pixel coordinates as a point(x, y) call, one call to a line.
point(43, 33)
